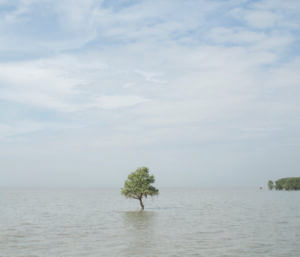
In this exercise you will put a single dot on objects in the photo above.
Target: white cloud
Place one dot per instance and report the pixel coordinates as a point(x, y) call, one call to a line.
point(34, 83)
point(292, 6)
point(269, 14)
point(63, 84)
point(153, 77)
point(19, 128)
point(257, 41)
point(261, 19)
point(236, 35)
point(128, 85)
point(115, 101)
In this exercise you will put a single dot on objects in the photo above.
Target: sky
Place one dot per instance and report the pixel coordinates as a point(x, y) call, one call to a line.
point(203, 92)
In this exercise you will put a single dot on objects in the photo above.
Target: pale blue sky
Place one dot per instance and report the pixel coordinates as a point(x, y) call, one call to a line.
point(202, 92)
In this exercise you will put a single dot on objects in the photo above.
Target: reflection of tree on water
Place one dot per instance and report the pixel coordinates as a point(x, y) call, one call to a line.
point(140, 236)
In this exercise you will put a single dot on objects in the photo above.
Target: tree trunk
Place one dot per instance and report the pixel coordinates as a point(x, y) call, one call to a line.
point(141, 203)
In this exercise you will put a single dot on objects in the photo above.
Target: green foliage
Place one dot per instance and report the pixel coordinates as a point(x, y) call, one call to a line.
point(288, 184)
point(138, 185)
point(270, 185)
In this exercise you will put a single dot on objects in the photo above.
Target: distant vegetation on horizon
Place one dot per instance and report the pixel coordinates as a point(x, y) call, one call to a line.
point(285, 184)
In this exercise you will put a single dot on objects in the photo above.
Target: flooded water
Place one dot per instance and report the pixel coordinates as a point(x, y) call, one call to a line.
point(179, 222)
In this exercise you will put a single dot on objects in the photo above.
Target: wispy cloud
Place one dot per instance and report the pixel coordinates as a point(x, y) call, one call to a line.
point(112, 102)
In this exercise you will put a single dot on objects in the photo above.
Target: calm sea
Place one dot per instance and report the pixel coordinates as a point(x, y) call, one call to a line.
point(179, 222)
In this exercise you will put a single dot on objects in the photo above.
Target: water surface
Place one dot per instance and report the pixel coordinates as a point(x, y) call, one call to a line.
point(179, 222)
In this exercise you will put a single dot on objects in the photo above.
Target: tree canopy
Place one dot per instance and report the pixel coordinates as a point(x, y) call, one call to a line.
point(285, 184)
point(138, 185)
point(288, 184)
point(270, 184)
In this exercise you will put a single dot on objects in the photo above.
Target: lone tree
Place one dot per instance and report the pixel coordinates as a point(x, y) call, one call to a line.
point(138, 185)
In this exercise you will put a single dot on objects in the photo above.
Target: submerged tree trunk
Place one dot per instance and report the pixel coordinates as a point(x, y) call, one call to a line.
point(141, 203)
